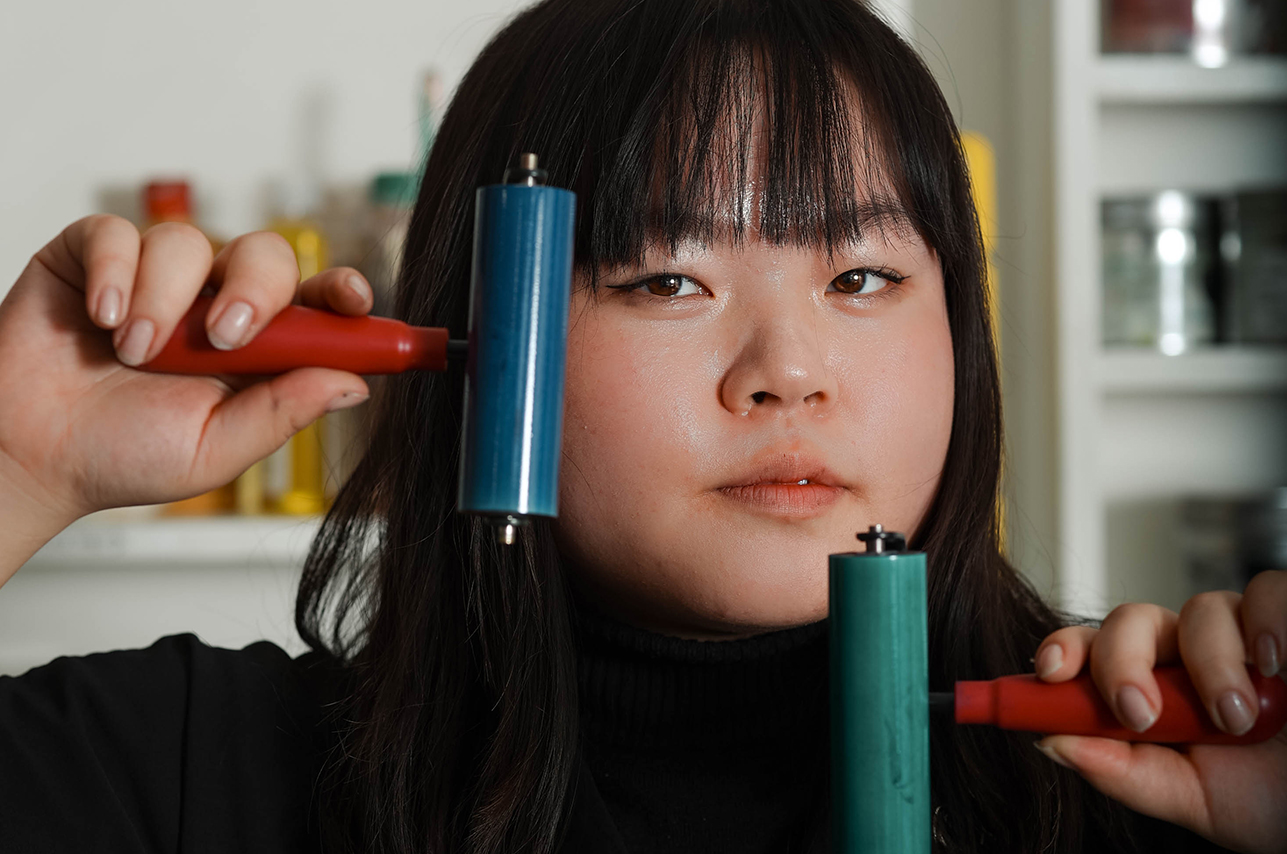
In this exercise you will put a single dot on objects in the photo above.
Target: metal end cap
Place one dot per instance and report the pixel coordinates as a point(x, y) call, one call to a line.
point(880, 541)
point(506, 528)
point(527, 172)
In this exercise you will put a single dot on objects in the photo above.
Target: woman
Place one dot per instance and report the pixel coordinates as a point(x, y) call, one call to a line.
point(778, 336)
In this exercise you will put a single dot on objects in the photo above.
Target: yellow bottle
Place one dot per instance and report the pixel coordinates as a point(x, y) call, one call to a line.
point(304, 493)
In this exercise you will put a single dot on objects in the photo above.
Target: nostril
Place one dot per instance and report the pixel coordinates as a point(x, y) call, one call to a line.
point(759, 396)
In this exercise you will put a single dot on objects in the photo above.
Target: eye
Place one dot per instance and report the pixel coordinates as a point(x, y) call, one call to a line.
point(664, 285)
point(864, 281)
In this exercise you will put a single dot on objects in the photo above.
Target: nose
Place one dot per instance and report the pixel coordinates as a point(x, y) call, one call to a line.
point(780, 368)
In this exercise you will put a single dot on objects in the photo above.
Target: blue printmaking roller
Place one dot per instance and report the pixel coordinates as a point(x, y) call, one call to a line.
point(517, 348)
point(518, 316)
point(880, 786)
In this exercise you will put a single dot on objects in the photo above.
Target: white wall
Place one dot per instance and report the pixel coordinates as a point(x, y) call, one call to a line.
point(97, 97)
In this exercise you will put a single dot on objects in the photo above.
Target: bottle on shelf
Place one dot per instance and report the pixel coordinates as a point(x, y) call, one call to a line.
point(391, 197)
point(170, 200)
point(294, 476)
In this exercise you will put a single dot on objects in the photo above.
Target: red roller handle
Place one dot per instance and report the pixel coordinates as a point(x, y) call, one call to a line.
point(1076, 708)
point(300, 337)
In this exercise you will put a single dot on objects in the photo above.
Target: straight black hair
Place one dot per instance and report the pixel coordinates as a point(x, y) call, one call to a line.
point(459, 729)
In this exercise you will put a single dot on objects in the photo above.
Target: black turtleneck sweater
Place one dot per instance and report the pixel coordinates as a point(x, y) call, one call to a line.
point(688, 746)
point(706, 746)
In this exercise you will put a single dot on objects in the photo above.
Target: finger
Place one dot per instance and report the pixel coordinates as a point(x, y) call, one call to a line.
point(256, 275)
point(174, 262)
point(341, 289)
point(1148, 778)
point(256, 421)
point(1131, 641)
point(1214, 653)
point(98, 254)
point(1264, 620)
point(1063, 653)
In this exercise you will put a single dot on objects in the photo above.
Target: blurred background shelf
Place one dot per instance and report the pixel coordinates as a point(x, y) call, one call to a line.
point(1233, 370)
point(264, 541)
point(1130, 79)
point(1140, 435)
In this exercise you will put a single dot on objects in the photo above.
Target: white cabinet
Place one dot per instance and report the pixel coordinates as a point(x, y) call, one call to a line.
point(1137, 431)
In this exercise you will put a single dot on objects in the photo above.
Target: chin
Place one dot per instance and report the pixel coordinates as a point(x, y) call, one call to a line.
point(738, 596)
point(753, 618)
point(753, 608)
point(734, 578)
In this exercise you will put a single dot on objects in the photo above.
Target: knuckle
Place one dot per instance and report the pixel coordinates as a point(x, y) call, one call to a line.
point(1265, 587)
point(272, 244)
point(179, 235)
point(1131, 612)
point(109, 228)
point(1204, 603)
point(1070, 633)
point(98, 222)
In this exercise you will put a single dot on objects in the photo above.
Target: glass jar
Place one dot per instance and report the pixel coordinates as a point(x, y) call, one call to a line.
point(1158, 263)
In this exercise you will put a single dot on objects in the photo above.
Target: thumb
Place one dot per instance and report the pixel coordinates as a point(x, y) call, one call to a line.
point(258, 420)
point(1149, 778)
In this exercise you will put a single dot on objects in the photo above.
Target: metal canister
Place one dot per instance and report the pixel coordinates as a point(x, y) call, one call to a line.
point(880, 784)
point(1226, 540)
point(1158, 271)
point(1254, 250)
point(518, 319)
point(1262, 532)
point(1212, 32)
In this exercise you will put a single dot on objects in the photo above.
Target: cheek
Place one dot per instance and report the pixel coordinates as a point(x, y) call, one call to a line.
point(632, 422)
point(896, 401)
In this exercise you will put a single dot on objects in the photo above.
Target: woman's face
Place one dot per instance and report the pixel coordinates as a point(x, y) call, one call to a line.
point(704, 386)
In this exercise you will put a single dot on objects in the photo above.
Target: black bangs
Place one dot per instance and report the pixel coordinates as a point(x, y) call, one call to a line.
point(748, 123)
point(684, 119)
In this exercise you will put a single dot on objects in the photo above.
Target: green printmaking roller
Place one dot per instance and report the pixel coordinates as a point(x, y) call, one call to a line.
point(880, 783)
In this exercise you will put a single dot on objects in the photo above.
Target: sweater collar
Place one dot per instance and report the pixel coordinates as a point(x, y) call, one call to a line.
point(647, 689)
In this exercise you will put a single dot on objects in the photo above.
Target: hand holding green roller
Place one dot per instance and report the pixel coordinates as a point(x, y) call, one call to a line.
point(880, 702)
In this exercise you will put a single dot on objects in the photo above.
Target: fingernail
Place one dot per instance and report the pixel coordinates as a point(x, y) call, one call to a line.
point(344, 401)
point(1135, 709)
point(109, 307)
point(355, 284)
point(1235, 714)
point(1052, 755)
point(1267, 654)
point(133, 341)
point(1049, 660)
point(231, 326)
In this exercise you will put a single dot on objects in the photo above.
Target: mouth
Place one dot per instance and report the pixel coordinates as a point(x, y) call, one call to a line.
point(786, 485)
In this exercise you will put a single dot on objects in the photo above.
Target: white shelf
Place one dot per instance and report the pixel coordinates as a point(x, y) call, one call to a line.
point(1234, 370)
point(173, 543)
point(1143, 79)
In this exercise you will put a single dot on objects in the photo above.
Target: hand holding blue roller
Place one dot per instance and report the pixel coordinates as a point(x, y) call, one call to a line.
point(516, 348)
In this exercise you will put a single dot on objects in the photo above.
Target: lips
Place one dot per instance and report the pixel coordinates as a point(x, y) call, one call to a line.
point(786, 468)
point(786, 485)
